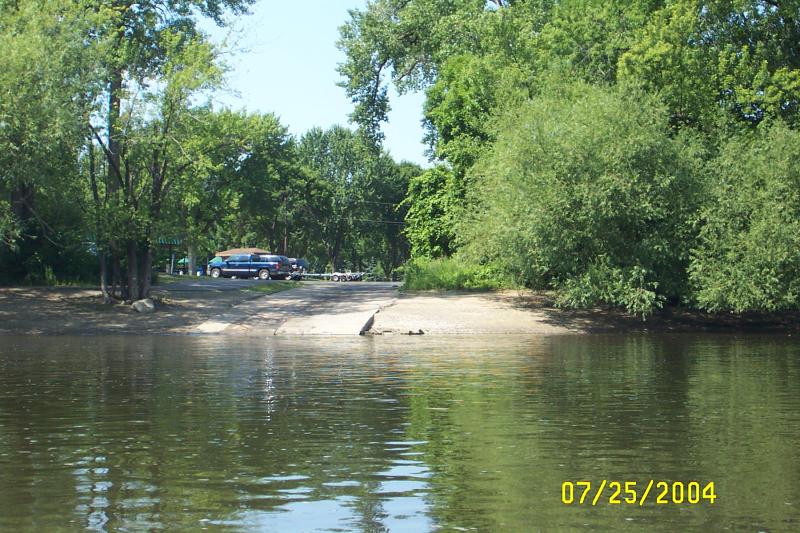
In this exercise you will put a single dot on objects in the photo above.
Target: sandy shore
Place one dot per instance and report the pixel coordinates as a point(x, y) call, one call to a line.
point(231, 307)
point(529, 312)
point(67, 311)
point(463, 313)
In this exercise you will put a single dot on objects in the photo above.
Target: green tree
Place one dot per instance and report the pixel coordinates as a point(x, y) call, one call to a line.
point(590, 195)
point(247, 186)
point(742, 56)
point(47, 88)
point(382, 229)
point(748, 257)
point(433, 204)
point(404, 40)
point(138, 41)
point(344, 160)
point(154, 156)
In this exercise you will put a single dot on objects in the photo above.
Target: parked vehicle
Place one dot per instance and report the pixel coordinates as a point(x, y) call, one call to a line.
point(250, 266)
point(283, 266)
point(299, 267)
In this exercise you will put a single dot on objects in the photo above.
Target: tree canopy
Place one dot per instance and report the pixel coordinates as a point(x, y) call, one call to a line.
point(614, 151)
point(635, 154)
point(111, 143)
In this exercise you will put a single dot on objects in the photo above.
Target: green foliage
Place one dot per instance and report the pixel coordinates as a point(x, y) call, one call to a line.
point(434, 200)
point(364, 187)
point(383, 237)
point(748, 257)
point(743, 56)
point(109, 143)
point(588, 37)
point(9, 226)
point(591, 189)
point(589, 194)
point(469, 89)
point(245, 185)
point(404, 40)
point(566, 136)
point(452, 273)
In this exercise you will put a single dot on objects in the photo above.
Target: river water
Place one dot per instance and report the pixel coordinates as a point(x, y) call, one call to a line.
point(396, 433)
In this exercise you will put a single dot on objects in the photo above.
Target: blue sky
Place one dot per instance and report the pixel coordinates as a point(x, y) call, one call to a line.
point(283, 60)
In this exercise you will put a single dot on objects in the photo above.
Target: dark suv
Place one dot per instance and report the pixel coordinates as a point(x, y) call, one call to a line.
point(249, 266)
point(282, 268)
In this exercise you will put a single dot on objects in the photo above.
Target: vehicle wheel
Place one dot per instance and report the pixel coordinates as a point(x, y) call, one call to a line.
point(215, 272)
point(263, 274)
point(335, 277)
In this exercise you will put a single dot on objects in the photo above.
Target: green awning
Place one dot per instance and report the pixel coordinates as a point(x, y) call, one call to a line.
point(166, 242)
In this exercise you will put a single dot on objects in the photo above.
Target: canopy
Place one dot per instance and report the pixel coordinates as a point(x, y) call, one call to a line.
point(240, 251)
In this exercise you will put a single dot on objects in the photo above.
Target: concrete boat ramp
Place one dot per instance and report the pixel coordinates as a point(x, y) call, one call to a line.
point(311, 309)
point(356, 308)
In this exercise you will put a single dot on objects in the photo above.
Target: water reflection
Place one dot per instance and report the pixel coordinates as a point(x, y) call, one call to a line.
point(393, 434)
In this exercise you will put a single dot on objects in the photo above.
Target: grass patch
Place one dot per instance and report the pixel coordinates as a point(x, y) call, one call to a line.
point(273, 286)
point(452, 274)
point(166, 279)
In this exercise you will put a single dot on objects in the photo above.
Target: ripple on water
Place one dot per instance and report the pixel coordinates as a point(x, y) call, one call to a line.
point(398, 434)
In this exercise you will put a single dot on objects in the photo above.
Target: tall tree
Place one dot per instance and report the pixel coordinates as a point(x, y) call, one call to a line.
point(345, 161)
point(137, 39)
point(46, 88)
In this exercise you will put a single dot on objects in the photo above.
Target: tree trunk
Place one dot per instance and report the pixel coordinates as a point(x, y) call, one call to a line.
point(337, 243)
point(133, 271)
point(114, 90)
point(101, 253)
point(116, 275)
point(192, 260)
point(113, 173)
point(104, 278)
point(146, 273)
point(21, 202)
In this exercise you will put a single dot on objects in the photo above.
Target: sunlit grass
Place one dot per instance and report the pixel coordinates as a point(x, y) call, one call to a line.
point(165, 279)
point(272, 287)
point(451, 274)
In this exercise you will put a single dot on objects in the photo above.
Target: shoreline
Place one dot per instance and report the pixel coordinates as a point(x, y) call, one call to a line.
point(534, 312)
point(346, 309)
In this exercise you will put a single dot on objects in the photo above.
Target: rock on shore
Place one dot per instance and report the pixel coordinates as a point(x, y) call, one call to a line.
point(144, 306)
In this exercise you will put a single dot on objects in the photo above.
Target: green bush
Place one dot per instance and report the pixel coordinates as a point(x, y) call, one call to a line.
point(748, 258)
point(434, 201)
point(587, 191)
point(452, 273)
point(41, 262)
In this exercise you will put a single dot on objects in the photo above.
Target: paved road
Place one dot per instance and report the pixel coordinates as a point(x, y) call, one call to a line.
point(318, 308)
point(207, 283)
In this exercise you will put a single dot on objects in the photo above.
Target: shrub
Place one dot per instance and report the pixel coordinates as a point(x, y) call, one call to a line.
point(748, 257)
point(451, 273)
point(587, 191)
